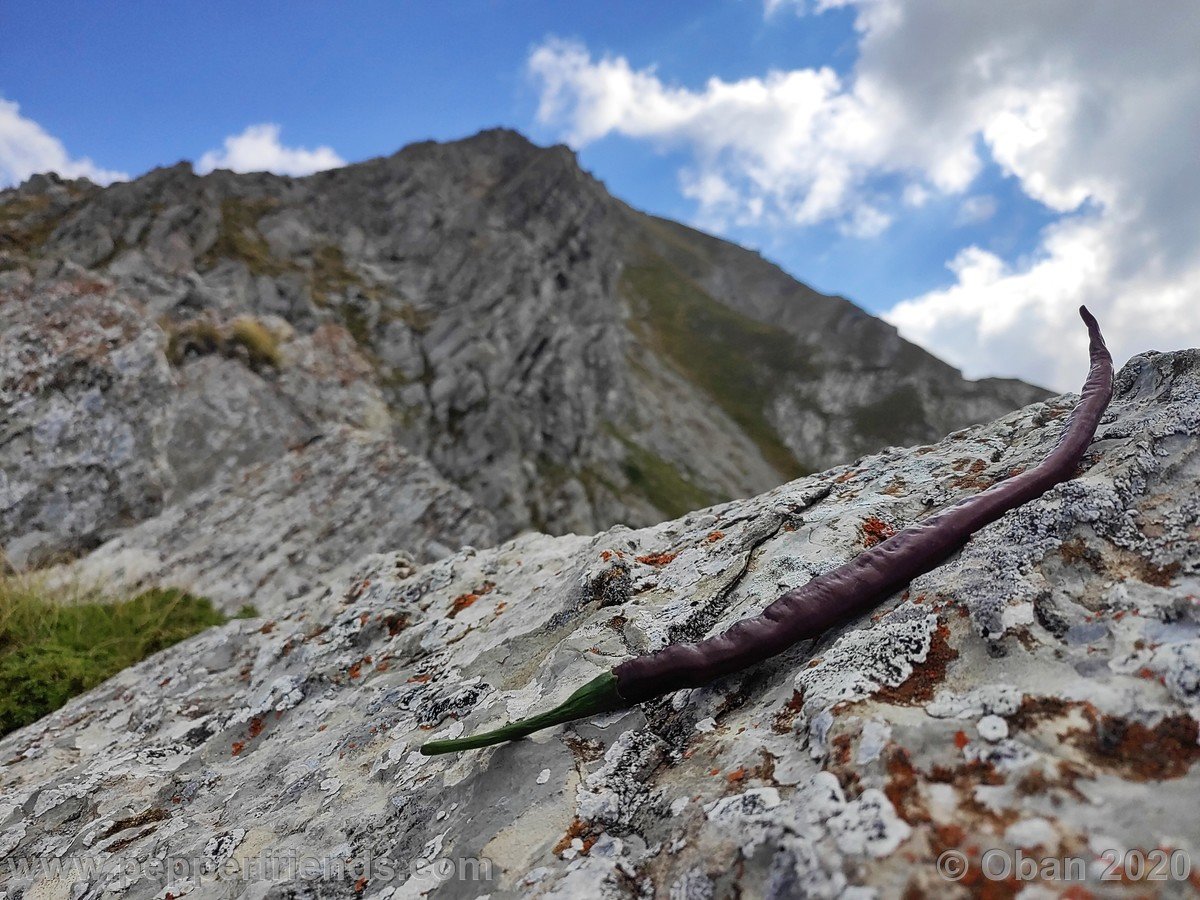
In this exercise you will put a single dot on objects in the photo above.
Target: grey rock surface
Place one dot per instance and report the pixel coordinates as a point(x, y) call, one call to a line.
point(239, 478)
point(1038, 692)
point(84, 389)
point(568, 361)
point(274, 531)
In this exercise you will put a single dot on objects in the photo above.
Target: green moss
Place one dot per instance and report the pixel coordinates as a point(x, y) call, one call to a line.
point(660, 482)
point(53, 648)
point(734, 359)
point(238, 237)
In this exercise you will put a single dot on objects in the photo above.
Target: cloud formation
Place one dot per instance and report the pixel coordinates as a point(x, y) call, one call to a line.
point(1091, 106)
point(258, 149)
point(27, 148)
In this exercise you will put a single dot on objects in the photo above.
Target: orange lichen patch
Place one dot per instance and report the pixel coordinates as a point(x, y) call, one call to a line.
point(420, 679)
point(842, 745)
point(765, 770)
point(876, 530)
point(1141, 752)
point(785, 719)
point(1036, 709)
point(713, 536)
point(1118, 562)
point(585, 831)
point(973, 477)
point(360, 885)
point(921, 685)
point(238, 747)
point(1159, 576)
point(267, 627)
point(355, 671)
point(960, 739)
point(658, 560)
point(902, 788)
point(845, 476)
point(736, 775)
point(356, 590)
point(462, 601)
point(256, 727)
point(896, 486)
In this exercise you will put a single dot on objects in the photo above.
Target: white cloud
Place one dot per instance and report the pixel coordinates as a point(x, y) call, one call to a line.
point(258, 149)
point(27, 148)
point(1091, 106)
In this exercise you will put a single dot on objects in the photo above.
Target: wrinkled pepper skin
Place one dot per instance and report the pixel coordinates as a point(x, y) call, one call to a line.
point(836, 596)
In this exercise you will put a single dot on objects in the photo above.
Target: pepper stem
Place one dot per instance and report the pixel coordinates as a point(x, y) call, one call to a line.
point(597, 696)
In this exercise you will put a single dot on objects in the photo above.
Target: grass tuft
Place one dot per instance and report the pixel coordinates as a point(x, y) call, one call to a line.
point(245, 336)
point(260, 343)
point(55, 644)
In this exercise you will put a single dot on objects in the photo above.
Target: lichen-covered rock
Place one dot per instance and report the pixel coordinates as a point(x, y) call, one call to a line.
point(1036, 693)
point(245, 477)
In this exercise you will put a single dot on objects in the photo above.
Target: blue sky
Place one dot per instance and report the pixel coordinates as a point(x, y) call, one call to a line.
point(847, 143)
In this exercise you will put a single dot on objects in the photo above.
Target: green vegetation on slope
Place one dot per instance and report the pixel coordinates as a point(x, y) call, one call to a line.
point(26, 224)
point(890, 417)
point(52, 649)
point(734, 359)
point(238, 237)
point(660, 482)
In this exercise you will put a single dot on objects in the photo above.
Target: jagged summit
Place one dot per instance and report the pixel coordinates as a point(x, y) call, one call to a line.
point(566, 360)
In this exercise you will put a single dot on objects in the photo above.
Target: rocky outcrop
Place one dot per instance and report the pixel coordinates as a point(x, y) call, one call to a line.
point(254, 457)
point(275, 531)
point(566, 360)
point(1038, 692)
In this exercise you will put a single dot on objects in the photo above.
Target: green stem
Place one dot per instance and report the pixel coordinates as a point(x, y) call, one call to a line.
point(597, 696)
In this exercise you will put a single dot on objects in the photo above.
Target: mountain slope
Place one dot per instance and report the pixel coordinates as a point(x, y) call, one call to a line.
point(568, 361)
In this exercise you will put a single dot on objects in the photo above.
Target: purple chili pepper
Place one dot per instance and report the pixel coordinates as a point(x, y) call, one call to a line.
point(841, 594)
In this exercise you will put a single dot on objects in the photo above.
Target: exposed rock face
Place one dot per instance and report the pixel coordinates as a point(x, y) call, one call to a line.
point(84, 388)
point(275, 531)
point(568, 361)
point(1039, 691)
point(249, 481)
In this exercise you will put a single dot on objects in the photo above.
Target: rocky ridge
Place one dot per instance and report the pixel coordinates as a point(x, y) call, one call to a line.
point(1040, 691)
point(567, 361)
